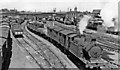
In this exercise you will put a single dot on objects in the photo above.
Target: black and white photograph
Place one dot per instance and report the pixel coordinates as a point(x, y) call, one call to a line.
point(59, 35)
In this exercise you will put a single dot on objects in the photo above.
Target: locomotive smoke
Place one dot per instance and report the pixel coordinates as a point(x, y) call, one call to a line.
point(83, 23)
point(109, 14)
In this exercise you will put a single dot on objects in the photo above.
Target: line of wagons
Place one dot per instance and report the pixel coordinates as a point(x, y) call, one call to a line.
point(5, 45)
point(84, 47)
point(15, 25)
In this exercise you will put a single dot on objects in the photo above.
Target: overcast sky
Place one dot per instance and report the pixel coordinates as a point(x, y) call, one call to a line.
point(48, 5)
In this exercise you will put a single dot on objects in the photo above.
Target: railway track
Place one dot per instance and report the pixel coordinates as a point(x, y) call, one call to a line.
point(39, 52)
point(24, 46)
point(39, 56)
point(110, 46)
point(83, 68)
point(40, 49)
point(44, 48)
point(72, 57)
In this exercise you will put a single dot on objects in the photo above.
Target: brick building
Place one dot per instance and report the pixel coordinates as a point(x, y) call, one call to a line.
point(70, 15)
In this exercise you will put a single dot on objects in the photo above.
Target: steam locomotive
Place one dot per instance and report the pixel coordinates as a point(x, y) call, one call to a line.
point(85, 47)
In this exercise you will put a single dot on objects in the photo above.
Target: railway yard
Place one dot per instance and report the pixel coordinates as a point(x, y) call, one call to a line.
point(55, 41)
point(33, 50)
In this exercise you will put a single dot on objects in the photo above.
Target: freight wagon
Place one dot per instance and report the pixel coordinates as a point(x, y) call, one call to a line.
point(17, 30)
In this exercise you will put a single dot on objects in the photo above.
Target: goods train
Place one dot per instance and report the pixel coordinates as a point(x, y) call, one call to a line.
point(16, 29)
point(36, 26)
point(85, 47)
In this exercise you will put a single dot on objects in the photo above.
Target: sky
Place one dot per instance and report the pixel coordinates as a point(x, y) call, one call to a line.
point(48, 5)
